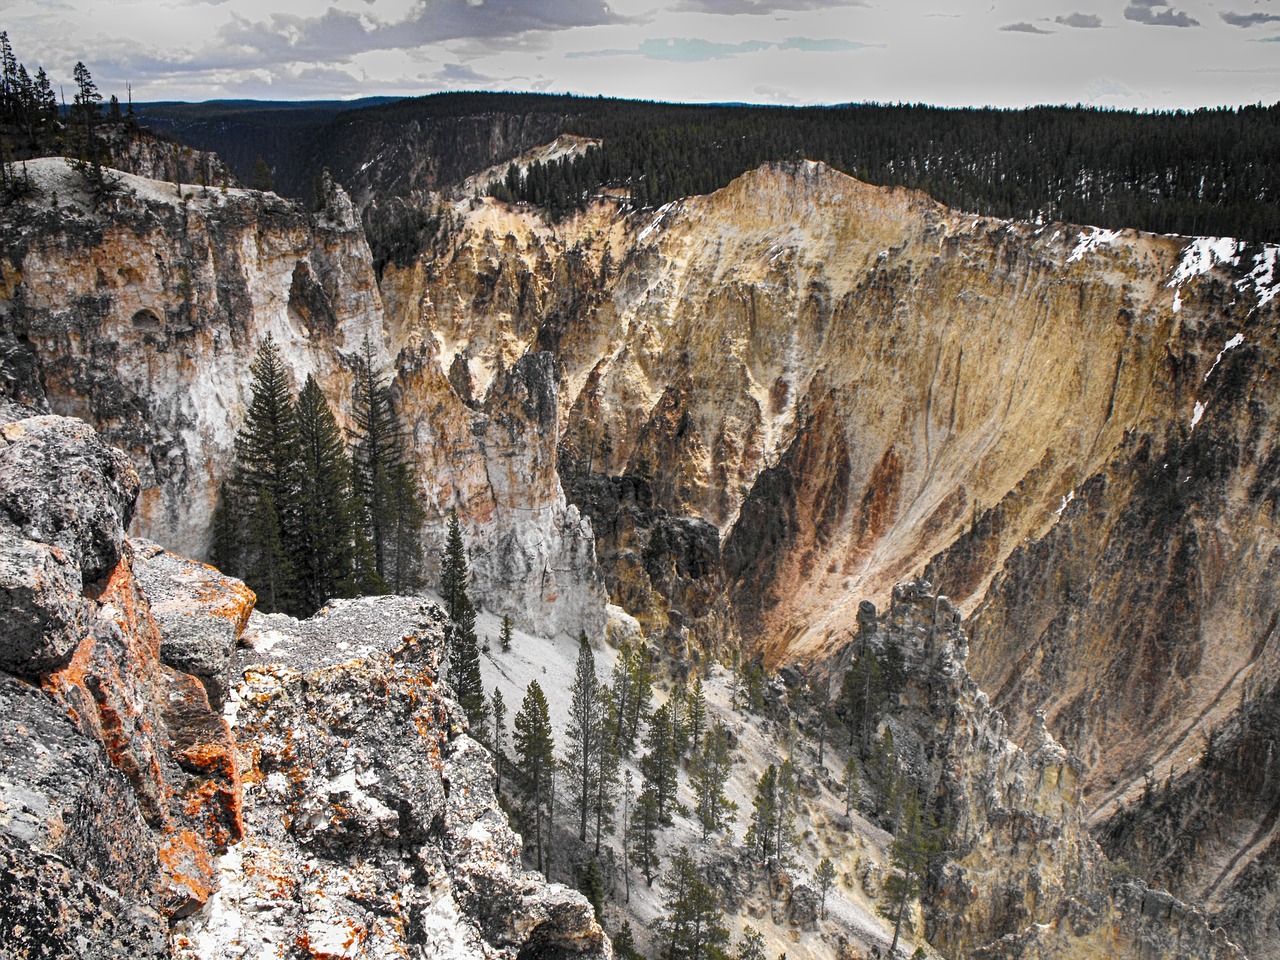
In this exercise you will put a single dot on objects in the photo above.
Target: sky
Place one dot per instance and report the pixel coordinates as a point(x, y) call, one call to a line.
point(1133, 54)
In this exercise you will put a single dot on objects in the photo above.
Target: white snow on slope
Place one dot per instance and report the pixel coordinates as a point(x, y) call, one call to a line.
point(1196, 414)
point(1230, 345)
point(1090, 241)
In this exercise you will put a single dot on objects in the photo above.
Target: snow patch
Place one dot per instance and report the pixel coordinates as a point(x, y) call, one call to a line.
point(1090, 241)
point(1202, 254)
point(1230, 345)
point(1066, 501)
point(1196, 414)
point(1266, 284)
point(657, 221)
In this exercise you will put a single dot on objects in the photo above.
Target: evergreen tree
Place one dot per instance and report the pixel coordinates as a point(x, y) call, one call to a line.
point(826, 877)
point(624, 943)
point(641, 696)
point(850, 784)
point(764, 813)
point(263, 499)
point(752, 946)
point(710, 773)
point(585, 732)
point(646, 821)
point(535, 757)
point(693, 928)
point(659, 764)
point(498, 709)
point(628, 792)
point(784, 835)
point(464, 668)
point(382, 478)
point(914, 843)
point(261, 178)
point(591, 884)
point(504, 638)
point(453, 570)
point(697, 713)
point(335, 559)
point(605, 784)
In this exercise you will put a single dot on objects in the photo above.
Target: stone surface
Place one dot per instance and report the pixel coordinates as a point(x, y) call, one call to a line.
point(201, 614)
point(59, 485)
point(41, 606)
point(372, 829)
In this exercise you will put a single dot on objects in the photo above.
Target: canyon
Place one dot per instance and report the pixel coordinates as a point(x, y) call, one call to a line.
point(737, 418)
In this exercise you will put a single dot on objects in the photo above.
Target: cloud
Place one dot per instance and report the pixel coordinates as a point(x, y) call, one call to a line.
point(1249, 19)
point(1083, 21)
point(737, 7)
point(1157, 13)
point(1107, 88)
point(1275, 39)
point(1023, 28)
point(693, 50)
point(336, 34)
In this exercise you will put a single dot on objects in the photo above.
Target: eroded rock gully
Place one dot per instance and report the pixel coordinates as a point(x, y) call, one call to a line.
point(347, 813)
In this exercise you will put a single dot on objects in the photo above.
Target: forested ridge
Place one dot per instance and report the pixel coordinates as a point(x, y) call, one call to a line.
point(1210, 172)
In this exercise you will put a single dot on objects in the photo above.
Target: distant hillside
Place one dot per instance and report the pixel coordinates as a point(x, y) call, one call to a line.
point(1202, 172)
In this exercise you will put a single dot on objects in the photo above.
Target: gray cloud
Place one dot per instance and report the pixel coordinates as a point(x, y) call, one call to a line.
point(1023, 28)
point(338, 34)
point(735, 7)
point(1249, 19)
point(1084, 21)
point(694, 50)
point(1158, 13)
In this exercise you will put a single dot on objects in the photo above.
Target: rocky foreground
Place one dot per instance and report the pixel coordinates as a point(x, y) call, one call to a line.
point(341, 812)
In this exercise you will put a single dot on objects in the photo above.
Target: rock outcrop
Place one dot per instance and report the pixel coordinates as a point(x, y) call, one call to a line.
point(355, 817)
point(120, 784)
point(140, 311)
point(1022, 876)
point(372, 828)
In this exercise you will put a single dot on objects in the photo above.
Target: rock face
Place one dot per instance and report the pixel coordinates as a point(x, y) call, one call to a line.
point(371, 819)
point(1023, 877)
point(119, 784)
point(372, 828)
point(141, 313)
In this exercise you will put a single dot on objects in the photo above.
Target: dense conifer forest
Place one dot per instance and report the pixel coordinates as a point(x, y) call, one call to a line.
point(1212, 171)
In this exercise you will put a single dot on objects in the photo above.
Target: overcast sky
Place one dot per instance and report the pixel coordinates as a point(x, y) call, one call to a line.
point(1125, 53)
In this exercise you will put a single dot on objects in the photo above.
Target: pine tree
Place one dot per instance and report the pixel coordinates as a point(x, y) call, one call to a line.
point(659, 763)
point(697, 713)
point(628, 792)
point(764, 813)
point(784, 831)
point(504, 638)
point(335, 558)
point(261, 178)
point(693, 928)
point(262, 501)
point(453, 570)
point(624, 943)
point(708, 777)
point(382, 478)
point(585, 731)
point(645, 824)
point(622, 692)
point(915, 842)
point(464, 667)
point(535, 757)
point(637, 711)
point(850, 784)
point(752, 946)
point(591, 884)
point(498, 709)
point(605, 786)
point(826, 877)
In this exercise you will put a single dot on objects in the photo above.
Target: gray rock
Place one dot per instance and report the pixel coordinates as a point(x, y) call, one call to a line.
point(61, 485)
point(201, 614)
point(42, 612)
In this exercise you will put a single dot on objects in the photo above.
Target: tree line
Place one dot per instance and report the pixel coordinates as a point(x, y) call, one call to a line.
point(1209, 171)
point(309, 514)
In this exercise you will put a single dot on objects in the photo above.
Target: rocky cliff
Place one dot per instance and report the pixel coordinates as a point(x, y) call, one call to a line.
point(1021, 876)
point(343, 811)
point(142, 310)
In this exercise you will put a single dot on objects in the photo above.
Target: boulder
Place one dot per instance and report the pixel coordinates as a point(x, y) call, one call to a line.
point(201, 614)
